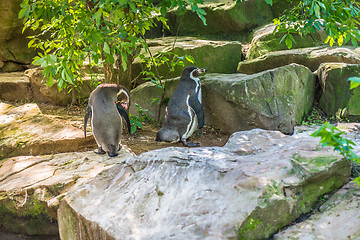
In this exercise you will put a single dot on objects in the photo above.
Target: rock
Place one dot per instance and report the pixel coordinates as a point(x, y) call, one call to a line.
point(64, 97)
point(257, 183)
point(264, 41)
point(144, 93)
point(13, 43)
point(11, 67)
point(15, 87)
point(309, 57)
point(337, 98)
point(276, 99)
point(222, 17)
point(338, 218)
point(32, 186)
point(215, 56)
point(25, 131)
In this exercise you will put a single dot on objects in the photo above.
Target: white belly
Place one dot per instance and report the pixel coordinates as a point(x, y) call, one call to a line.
point(193, 124)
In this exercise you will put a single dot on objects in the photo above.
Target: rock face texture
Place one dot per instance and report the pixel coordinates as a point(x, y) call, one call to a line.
point(14, 52)
point(214, 55)
point(263, 41)
point(32, 186)
point(257, 183)
point(336, 97)
point(64, 97)
point(309, 57)
point(276, 99)
point(223, 17)
point(338, 218)
point(25, 131)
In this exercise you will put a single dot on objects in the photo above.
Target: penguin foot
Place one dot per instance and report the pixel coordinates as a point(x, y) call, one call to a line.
point(99, 151)
point(189, 144)
point(112, 154)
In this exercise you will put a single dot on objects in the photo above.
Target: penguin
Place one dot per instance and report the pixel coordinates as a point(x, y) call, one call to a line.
point(106, 116)
point(184, 113)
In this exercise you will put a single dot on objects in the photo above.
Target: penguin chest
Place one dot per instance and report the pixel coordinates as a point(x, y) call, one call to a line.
point(192, 125)
point(198, 89)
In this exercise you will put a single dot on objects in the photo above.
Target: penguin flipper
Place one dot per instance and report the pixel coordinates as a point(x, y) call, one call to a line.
point(197, 107)
point(124, 114)
point(86, 117)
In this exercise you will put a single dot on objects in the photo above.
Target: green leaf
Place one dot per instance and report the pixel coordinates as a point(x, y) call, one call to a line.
point(190, 59)
point(124, 61)
point(138, 124)
point(355, 82)
point(269, 2)
point(133, 128)
point(106, 48)
point(288, 43)
point(341, 40)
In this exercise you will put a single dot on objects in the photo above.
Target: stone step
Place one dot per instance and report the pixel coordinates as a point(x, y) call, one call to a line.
point(15, 87)
point(24, 130)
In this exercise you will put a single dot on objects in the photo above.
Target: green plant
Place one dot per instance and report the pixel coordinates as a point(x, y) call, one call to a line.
point(102, 32)
point(170, 60)
point(338, 18)
point(318, 117)
point(144, 116)
point(332, 136)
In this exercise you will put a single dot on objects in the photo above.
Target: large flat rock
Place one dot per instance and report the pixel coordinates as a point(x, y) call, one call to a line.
point(32, 186)
point(257, 183)
point(24, 130)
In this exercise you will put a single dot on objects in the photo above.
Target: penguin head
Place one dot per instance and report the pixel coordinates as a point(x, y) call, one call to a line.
point(123, 96)
point(192, 72)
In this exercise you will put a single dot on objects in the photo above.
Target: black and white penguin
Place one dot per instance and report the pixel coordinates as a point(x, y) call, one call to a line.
point(106, 117)
point(184, 113)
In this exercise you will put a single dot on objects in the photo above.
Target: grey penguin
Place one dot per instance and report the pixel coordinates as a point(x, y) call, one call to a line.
point(106, 117)
point(184, 113)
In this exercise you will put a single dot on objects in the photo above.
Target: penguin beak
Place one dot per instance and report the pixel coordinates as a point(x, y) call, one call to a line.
point(201, 70)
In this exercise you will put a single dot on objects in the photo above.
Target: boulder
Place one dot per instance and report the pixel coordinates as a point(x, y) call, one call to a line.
point(146, 92)
point(25, 131)
point(337, 98)
point(309, 57)
point(32, 186)
point(64, 97)
point(276, 99)
point(13, 43)
point(215, 56)
point(222, 17)
point(15, 86)
point(259, 182)
point(337, 218)
point(264, 41)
